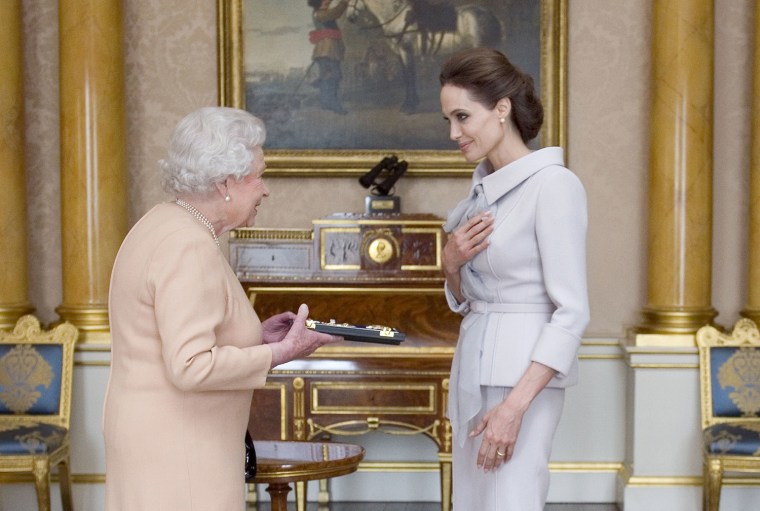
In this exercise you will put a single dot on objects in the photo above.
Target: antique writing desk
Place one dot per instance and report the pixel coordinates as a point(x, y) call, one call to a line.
point(362, 270)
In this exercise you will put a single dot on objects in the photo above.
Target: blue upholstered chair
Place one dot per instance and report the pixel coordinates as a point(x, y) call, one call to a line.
point(36, 370)
point(730, 387)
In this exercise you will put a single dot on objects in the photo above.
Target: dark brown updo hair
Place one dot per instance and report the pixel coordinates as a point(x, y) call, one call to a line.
point(489, 76)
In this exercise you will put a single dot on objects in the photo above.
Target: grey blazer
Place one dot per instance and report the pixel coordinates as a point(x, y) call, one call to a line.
point(525, 295)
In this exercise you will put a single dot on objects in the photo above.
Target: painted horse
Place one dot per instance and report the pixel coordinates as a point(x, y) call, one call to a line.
point(419, 29)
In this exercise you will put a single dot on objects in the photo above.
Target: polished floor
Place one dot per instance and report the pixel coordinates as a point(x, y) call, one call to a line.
point(421, 506)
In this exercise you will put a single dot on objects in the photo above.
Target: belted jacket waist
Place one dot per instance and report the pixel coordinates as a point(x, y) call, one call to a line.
point(483, 307)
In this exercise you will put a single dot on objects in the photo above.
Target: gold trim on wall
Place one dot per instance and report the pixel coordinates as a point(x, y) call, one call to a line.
point(554, 73)
point(654, 481)
point(426, 163)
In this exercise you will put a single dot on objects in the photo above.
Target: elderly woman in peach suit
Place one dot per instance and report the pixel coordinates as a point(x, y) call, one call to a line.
point(187, 348)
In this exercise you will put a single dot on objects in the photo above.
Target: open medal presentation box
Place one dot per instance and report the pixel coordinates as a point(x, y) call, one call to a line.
point(357, 269)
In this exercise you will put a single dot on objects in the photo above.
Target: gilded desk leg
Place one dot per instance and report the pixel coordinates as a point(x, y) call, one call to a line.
point(41, 469)
point(301, 489)
point(279, 494)
point(713, 478)
point(444, 454)
point(251, 497)
point(445, 462)
point(64, 482)
point(323, 497)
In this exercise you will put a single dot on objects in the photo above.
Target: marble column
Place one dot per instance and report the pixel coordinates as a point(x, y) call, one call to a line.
point(93, 159)
point(662, 468)
point(752, 308)
point(13, 229)
point(680, 173)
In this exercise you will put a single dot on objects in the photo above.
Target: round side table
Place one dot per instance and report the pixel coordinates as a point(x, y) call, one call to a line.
point(279, 463)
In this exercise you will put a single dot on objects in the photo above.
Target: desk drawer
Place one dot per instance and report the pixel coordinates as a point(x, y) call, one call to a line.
point(374, 398)
point(270, 411)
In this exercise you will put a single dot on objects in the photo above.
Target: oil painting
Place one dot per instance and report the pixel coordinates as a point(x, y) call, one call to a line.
point(343, 79)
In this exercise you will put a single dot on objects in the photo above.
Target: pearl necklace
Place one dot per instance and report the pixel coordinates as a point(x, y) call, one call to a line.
point(198, 215)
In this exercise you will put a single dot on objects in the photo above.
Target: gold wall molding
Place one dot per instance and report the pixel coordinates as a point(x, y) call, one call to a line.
point(92, 323)
point(398, 466)
point(409, 466)
point(664, 366)
point(654, 481)
point(9, 313)
point(661, 356)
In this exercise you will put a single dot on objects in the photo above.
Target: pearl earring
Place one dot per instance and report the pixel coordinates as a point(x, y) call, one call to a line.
point(502, 120)
point(227, 198)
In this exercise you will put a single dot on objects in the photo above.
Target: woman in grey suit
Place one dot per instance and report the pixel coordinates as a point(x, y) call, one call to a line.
point(515, 267)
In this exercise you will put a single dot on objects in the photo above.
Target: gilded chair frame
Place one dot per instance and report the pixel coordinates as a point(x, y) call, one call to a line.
point(14, 468)
point(745, 334)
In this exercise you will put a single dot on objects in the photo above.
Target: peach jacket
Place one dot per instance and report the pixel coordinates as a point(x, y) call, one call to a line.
point(186, 356)
point(525, 295)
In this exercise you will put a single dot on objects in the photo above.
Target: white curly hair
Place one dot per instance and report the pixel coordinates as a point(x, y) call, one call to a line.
point(208, 146)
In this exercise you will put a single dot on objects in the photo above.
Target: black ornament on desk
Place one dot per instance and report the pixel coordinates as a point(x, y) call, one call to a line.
point(370, 178)
point(381, 180)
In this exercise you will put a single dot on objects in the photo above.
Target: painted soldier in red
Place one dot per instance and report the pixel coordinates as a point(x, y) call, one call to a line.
point(328, 51)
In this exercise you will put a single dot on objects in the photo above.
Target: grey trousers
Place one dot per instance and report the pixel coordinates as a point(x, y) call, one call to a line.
point(522, 483)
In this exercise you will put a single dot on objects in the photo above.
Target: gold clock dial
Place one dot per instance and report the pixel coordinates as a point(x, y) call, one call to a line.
point(380, 250)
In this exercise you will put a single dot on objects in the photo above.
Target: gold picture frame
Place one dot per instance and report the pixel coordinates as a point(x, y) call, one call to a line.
point(422, 162)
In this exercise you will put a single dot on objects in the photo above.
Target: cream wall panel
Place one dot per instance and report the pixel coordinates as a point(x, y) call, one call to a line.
point(15, 497)
point(418, 195)
point(591, 487)
point(607, 130)
point(366, 485)
point(592, 428)
point(90, 383)
point(21, 497)
point(171, 70)
point(654, 498)
point(733, 80)
point(739, 498)
point(688, 498)
point(663, 459)
point(88, 497)
point(42, 155)
point(667, 432)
